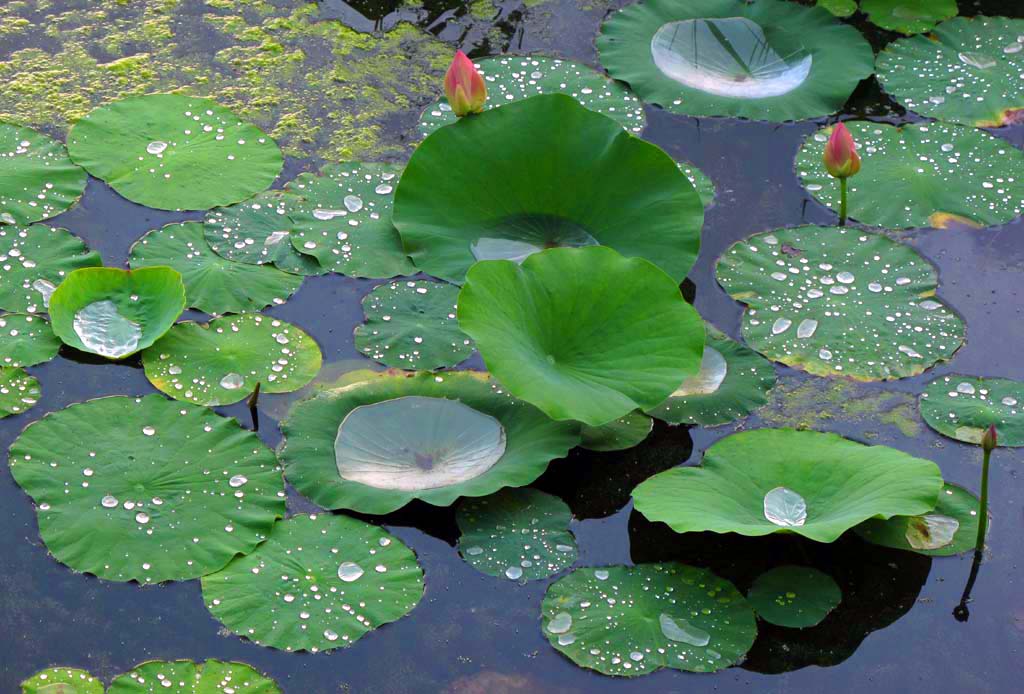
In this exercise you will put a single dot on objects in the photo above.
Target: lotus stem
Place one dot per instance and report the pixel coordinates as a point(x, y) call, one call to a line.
point(979, 546)
point(842, 202)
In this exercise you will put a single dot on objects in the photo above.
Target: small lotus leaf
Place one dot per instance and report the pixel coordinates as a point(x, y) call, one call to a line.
point(186, 677)
point(26, 340)
point(794, 596)
point(840, 8)
point(19, 391)
point(702, 183)
point(952, 528)
point(618, 434)
point(62, 680)
point(37, 179)
point(908, 16)
point(38, 259)
point(963, 407)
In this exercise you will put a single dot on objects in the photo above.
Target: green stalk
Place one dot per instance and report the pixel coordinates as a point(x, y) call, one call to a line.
point(842, 202)
point(983, 505)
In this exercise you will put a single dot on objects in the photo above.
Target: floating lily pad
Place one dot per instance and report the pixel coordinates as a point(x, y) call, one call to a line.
point(518, 534)
point(769, 480)
point(376, 440)
point(175, 152)
point(474, 191)
point(702, 183)
point(837, 301)
point(633, 620)
point(963, 407)
point(921, 174)
point(115, 313)
point(908, 16)
point(37, 179)
point(62, 680)
point(186, 677)
point(617, 435)
point(840, 8)
point(213, 284)
point(223, 361)
point(511, 78)
point(26, 340)
point(768, 60)
point(794, 596)
point(319, 582)
point(19, 391)
point(146, 489)
point(35, 260)
point(951, 528)
point(582, 333)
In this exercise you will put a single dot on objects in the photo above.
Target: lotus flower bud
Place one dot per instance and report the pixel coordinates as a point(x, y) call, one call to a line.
point(841, 158)
point(989, 440)
point(464, 86)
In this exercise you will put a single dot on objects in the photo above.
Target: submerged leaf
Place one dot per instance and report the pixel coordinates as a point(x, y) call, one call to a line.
point(794, 596)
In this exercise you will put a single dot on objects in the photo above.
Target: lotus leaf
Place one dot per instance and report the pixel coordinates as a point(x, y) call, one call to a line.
point(617, 435)
point(951, 528)
point(963, 407)
point(186, 677)
point(36, 260)
point(840, 8)
point(62, 680)
point(702, 183)
point(908, 16)
point(37, 179)
point(19, 391)
point(794, 596)
point(26, 340)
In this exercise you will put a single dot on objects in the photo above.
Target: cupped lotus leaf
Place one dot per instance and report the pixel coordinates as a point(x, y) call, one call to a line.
point(921, 174)
point(26, 340)
point(412, 325)
point(951, 528)
point(963, 407)
point(701, 182)
point(334, 452)
point(186, 677)
point(582, 333)
point(518, 534)
point(838, 301)
point(840, 8)
point(908, 16)
point(770, 480)
point(633, 620)
point(19, 391)
point(147, 489)
point(541, 173)
point(965, 71)
point(116, 313)
point(618, 434)
point(318, 583)
point(222, 362)
point(37, 258)
point(37, 179)
point(769, 60)
point(62, 680)
point(511, 78)
point(175, 152)
point(794, 596)
point(213, 284)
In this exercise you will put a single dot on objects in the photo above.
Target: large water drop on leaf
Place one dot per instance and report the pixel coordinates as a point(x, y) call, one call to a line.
point(105, 331)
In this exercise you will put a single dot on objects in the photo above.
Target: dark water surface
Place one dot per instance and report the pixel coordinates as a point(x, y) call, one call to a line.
point(472, 633)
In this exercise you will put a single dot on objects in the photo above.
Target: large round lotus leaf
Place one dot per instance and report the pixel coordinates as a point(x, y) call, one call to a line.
point(702, 183)
point(37, 179)
point(770, 480)
point(34, 260)
point(908, 16)
point(213, 284)
point(258, 231)
point(837, 301)
point(223, 361)
point(115, 313)
point(511, 78)
point(618, 434)
point(733, 381)
point(19, 391)
point(319, 582)
point(147, 489)
point(518, 534)
point(477, 191)
point(951, 528)
point(633, 620)
point(582, 333)
point(921, 174)
point(768, 60)
point(175, 152)
point(376, 440)
point(345, 220)
point(62, 680)
point(966, 71)
point(412, 325)
point(963, 407)
point(186, 677)
point(794, 596)
point(26, 340)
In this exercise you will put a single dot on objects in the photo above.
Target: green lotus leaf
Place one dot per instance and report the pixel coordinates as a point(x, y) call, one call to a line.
point(19, 391)
point(319, 582)
point(213, 284)
point(633, 620)
point(37, 179)
point(837, 301)
point(116, 313)
point(222, 362)
point(26, 340)
point(963, 407)
point(701, 182)
point(582, 333)
point(37, 258)
point(618, 434)
point(794, 596)
point(769, 60)
point(62, 680)
point(783, 480)
point(174, 152)
point(733, 381)
point(518, 534)
point(186, 677)
point(345, 220)
point(951, 528)
point(147, 489)
point(376, 440)
point(921, 174)
point(839, 8)
point(908, 16)
point(476, 191)
point(965, 71)
point(512, 78)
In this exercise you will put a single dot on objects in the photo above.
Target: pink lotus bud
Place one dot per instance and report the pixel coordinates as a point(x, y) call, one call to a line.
point(841, 158)
point(989, 440)
point(464, 86)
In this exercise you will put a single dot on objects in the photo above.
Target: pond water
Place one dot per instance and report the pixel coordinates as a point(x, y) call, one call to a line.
point(473, 633)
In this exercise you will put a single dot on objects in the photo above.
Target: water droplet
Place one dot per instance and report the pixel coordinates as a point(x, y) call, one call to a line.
point(383, 189)
point(681, 630)
point(141, 518)
point(785, 508)
point(156, 147)
point(601, 575)
point(560, 623)
point(977, 60)
point(232, 381)
point(353, 203)
point(514, 572)
point(1009, 402)
point(148, 430)
point(474, 551)
point(238, 480)
point(931, 531)
point(349, 571)
point(781, 325)
point(965, 388)
point(105, 331)
point(845, 277)
point(806, 328)
point(109, 501)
